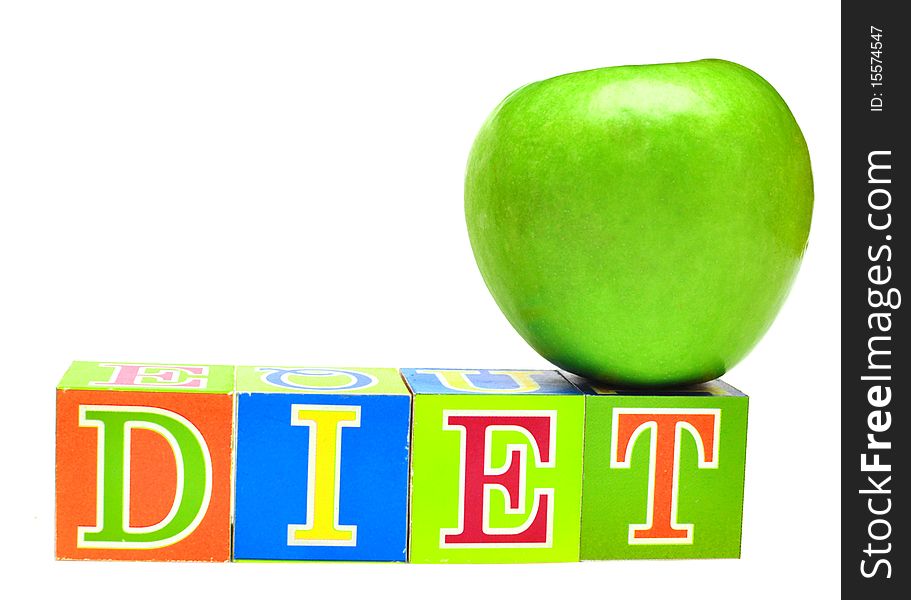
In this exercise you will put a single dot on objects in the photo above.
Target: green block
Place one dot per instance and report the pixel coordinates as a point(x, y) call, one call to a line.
point(664, 472)
point(496, 466)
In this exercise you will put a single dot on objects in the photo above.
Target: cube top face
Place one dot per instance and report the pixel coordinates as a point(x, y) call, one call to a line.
point(321, 380)
point(715, 387)
point(664, 475)
point(321, 475)
point(488, 381)
point(496, 477)
point(143, 475)
point(148, 377)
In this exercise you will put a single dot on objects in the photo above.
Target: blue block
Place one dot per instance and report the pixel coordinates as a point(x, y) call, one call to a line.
point(338, 494)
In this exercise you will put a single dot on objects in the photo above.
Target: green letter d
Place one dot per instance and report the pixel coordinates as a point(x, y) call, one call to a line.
point(194, 477)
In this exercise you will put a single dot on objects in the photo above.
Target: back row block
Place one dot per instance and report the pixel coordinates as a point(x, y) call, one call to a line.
point(322, 457)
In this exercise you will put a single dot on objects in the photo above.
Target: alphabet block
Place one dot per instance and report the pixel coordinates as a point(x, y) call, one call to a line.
point(496, 466)
point(322, 464)
point(144, 462)
point(664, 472)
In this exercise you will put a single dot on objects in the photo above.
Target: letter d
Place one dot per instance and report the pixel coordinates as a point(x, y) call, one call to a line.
point(112, 529)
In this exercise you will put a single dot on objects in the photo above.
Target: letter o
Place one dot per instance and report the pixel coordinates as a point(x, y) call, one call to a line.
point(873, 194)
point(875, 522)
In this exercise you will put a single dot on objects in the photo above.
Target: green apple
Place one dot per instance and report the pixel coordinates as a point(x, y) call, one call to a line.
point(641, 225)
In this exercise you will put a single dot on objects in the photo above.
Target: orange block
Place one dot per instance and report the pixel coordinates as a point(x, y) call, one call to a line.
point(144, 462)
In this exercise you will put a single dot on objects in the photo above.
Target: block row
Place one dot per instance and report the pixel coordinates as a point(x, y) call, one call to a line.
point(218, 463)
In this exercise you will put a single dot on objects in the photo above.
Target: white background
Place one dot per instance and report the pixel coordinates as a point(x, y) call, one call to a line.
point(272, 182)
